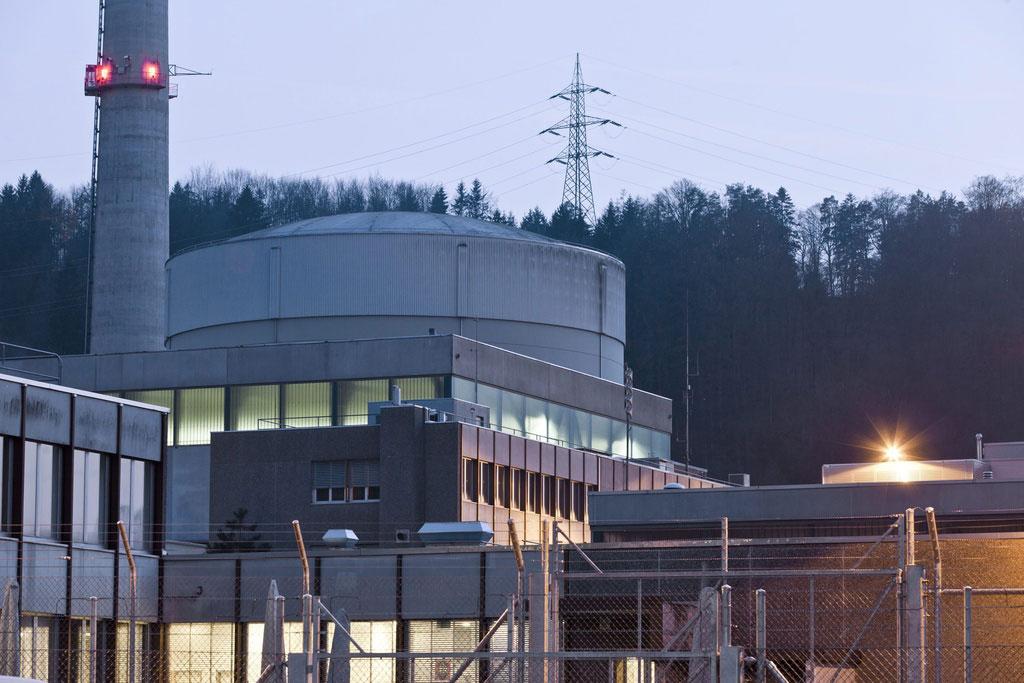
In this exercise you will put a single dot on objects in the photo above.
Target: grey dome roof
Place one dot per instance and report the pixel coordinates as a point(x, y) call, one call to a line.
point(397, 222)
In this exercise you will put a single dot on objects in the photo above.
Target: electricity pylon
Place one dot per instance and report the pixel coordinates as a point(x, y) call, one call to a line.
point(577, 191)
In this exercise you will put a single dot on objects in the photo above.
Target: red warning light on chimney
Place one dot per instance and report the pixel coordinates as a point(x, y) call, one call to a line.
point(151, 72)
point(103, 72)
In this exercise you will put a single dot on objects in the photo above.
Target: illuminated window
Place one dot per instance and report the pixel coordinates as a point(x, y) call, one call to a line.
point(618, 438)
point(558, 424)
point(122, 651)
point(372, 636)
point(307, 404)
point(200, 412)
point(151, 72)
point(641, 442)
point(513, 412)
point(444, 635)
point(536, 418)
point(420, 388)
point(490, 397)
point(158, 397)
point(353, 396)
point(35, 647)
point(201, 652)
point(255, 407)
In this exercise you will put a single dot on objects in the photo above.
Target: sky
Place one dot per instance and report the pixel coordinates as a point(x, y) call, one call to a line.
point(819, 97)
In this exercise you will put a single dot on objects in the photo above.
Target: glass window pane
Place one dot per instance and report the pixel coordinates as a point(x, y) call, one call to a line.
point(35, 647)
point(601, 433)
point(135, 503)
point(255, 407)
point(41, 503)
point(89, 497)
point(490, 397)
point(157, 397)
point(579, 435)
point(618, 442)
point(513, 412)
point(463, 389)
point(353, 397)
point(420, 388)
point(206, 652)
point(307, 404)
point(641, 442)
point(558, 424)
point(661, 445)
point(536, 418)
point(200, 411)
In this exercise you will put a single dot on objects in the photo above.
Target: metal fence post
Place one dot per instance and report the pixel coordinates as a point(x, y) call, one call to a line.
point(968, 653)
point(725, 639)
point(916, 650)
point(811, 662)
point(725, 544)
point(93, 623)
point(133, 582)
point(761, 636)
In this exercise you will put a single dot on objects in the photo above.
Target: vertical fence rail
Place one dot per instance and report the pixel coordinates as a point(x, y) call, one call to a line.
point(761, 637)
point(968, 652)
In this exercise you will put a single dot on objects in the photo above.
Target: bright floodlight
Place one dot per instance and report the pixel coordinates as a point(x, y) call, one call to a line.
point(893, 453)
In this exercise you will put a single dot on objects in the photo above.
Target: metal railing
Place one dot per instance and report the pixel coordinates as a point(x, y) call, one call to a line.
point(16, 352)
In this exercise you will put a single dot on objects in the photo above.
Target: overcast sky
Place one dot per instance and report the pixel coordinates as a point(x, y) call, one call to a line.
point(820, 97)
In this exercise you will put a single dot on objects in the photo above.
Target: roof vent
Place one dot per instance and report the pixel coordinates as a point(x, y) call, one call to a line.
point(456, 533)
point(739, 479)
point(340, 538)
point(988, 474)
point(674, 486)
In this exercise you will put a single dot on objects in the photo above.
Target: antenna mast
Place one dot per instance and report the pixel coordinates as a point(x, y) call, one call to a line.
point(577, 191)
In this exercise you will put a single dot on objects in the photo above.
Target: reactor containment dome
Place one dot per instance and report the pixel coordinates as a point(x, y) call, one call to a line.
point(394, 274)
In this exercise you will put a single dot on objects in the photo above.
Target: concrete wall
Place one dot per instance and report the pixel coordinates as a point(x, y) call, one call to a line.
point(131, 238)
point(399, 357)
point(610, 510)
point(553, 301)
point(269, 473)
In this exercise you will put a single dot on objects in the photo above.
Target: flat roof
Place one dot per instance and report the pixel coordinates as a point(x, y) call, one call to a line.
point(14, 379)
point(802, 502)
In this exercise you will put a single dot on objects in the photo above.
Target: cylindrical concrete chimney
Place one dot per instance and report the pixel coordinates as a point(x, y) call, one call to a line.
point(128, 307)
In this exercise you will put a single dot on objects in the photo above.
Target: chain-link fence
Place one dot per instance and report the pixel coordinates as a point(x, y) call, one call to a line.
point(815, 610)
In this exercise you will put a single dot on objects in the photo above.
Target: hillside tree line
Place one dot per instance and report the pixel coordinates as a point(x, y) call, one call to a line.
point(818, 333)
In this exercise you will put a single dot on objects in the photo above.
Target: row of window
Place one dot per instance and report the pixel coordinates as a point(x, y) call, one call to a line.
point(542, 420)
point(206, 651)
point(90, 476)
point(43, 649)
point(346, 481)
point(517, 489)
point(195, 413)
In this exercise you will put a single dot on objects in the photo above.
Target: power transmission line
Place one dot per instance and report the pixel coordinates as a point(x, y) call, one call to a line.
point(744, 136)
point(804, 119)
point(577, 191)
